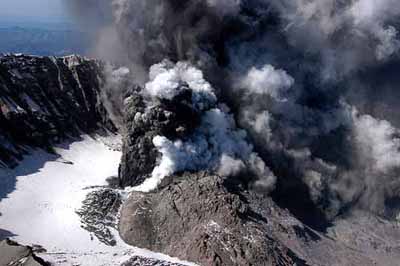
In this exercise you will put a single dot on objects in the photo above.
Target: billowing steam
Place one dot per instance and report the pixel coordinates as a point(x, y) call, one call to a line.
point(312, 82)
point(166, 80)
point(216, 145)
point(267, 81)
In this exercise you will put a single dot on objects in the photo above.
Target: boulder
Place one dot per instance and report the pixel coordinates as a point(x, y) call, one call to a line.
point(12, 253)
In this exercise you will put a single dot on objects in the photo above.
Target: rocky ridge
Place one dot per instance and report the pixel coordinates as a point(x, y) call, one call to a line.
point(46, 99)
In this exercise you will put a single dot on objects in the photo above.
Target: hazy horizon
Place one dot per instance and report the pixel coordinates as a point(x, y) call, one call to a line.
point(33, 10)
point(39, 27)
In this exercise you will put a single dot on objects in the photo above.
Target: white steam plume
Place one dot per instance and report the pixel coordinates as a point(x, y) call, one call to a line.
point(340, 53)
point(216, 145)
point(168, 79)
point(378, 143)
point(268, 81)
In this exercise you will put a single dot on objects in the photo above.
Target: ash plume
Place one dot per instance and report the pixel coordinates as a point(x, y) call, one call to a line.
point(310, 83)
point(346, 35)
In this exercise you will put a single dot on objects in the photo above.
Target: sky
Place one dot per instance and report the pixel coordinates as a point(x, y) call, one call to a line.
point(43, 10)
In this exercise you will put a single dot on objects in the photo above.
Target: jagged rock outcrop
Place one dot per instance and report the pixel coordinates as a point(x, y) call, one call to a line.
point(171, 118)
point(14, 254)
point(46, 99)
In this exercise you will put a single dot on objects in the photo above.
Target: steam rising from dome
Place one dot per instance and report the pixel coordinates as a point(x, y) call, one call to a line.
point(311, 84)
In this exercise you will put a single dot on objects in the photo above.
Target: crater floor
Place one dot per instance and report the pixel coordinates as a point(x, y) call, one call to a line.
point(44, 192)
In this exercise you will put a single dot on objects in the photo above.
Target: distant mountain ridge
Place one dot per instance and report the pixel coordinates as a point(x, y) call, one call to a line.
point(42, 39)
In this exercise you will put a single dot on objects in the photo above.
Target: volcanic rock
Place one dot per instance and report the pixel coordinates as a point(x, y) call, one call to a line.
point(46, 99)
point(99, 212)
point(197, 219)
point(170, 118)
point(14, 254)
point(209, 220)
point(141, 261)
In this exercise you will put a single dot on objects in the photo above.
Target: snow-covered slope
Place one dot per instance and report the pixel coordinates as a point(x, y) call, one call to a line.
point(48, 190)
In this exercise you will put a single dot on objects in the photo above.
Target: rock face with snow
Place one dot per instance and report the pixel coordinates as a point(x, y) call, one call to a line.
point(45, 99)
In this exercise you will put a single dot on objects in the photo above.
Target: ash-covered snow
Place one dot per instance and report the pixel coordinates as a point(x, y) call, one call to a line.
point(49, 189)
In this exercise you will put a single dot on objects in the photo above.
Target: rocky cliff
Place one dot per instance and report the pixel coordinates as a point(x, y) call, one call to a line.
point(46, 99)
